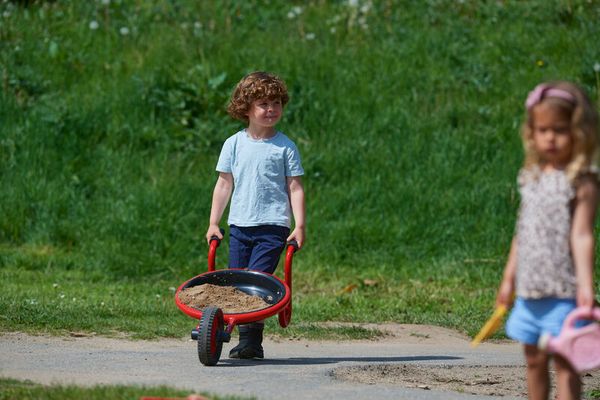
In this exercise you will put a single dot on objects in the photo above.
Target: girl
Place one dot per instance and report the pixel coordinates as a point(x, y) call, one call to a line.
point(551, 260)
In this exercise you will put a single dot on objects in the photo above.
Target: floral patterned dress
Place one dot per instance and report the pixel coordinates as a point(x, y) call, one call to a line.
point(544, 261)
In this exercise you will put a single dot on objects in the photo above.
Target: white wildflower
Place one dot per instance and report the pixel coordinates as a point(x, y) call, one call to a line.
point(334, 20)
point(310, 36)
point(124, 31)
point(294, 12)
point(55, 285)
point(597, 67)
point(94, 25)
point(106, 2)
point(353, 3)
point(197, 25)
point(332, 30)
point(6, 14)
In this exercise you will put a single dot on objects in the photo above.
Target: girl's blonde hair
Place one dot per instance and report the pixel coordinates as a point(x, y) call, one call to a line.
point(576, 105)
point(255, 86)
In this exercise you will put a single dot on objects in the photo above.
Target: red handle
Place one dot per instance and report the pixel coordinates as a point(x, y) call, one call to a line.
point(289, 256)
point(285, 315)
point(212, 252)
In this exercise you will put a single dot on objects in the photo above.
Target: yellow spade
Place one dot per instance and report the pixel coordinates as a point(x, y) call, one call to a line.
point(490, 326)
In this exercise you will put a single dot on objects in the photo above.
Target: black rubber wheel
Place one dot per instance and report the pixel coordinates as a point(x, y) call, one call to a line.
point(210, 341)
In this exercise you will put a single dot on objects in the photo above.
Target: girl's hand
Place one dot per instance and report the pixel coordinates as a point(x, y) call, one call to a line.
point(297, 235)
point(505, 293)
point(585, 297)
point(213, 230)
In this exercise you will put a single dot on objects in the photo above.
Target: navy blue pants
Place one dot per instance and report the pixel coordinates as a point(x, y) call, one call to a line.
point(256, 248)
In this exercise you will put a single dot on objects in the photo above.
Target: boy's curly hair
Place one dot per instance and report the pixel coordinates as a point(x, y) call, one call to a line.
point(254, 86)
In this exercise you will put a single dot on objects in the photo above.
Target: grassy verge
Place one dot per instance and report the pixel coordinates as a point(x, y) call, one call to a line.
point(59, 301)
point(11, 389)
point(406, 115)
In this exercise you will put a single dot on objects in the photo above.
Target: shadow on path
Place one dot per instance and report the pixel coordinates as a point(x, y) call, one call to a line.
point(328, 360)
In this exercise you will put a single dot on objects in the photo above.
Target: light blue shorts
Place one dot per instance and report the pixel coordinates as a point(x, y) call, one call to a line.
point(531, 318)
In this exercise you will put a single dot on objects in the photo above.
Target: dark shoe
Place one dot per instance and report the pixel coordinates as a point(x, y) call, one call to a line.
point(252, 352)
point(243, 330)
point(253, 348)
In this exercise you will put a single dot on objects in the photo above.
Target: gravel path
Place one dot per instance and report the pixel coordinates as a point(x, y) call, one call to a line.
point(296, 369)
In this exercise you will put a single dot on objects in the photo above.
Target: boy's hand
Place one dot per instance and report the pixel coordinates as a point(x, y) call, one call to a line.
point(297, 235)
point(213, 230)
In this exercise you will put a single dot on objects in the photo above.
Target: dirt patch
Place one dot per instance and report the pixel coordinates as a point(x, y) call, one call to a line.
point(408, 333)
point(228, 298)
point(473, 379)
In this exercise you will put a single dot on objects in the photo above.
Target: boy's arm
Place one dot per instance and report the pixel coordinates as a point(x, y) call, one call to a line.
point(296, 191)
point(507, 286)
point(582, 241)
point(220, 198)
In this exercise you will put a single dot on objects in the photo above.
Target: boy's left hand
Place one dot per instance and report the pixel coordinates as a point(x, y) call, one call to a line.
point(297, 235)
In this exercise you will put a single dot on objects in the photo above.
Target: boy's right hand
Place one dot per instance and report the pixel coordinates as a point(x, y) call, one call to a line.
point(213, 230)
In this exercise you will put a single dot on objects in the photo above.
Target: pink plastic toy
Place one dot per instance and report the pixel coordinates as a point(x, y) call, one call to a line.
point(579, 346)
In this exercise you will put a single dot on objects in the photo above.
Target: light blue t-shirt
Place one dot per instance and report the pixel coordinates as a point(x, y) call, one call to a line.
point(260, 169)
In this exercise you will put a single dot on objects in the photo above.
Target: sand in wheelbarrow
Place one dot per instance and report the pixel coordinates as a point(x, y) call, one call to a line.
point(228, 298)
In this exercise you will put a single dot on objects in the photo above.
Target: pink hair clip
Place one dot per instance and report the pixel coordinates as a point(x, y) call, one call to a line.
point(544, 90)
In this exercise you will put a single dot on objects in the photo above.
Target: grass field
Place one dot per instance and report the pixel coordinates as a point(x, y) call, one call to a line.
point(112, 115)
point(11, 389)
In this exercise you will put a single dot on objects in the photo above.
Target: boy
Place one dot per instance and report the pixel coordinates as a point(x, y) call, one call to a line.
point(263, 169)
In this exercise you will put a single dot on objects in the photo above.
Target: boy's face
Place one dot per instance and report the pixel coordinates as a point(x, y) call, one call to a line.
point(265, 113)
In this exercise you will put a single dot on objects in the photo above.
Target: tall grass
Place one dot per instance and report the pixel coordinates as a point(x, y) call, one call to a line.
point(406, 115)
point(11, 389)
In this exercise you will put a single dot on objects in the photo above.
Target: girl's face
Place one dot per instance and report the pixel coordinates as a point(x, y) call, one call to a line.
point(265, 113)
point(552, 136)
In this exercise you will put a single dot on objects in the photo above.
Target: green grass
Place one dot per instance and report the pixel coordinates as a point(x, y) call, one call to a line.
point(58, 301)
point(406, 115)
point(11, 389)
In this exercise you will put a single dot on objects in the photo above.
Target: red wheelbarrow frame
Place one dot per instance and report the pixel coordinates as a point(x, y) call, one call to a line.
point(212, 335)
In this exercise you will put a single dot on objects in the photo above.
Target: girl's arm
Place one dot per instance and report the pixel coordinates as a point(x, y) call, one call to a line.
point(220, 198)
point(507, 286)
point(582, 240)
point(296, 191)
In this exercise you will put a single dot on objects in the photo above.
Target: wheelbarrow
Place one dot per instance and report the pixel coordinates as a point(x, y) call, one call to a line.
point(214, 326)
